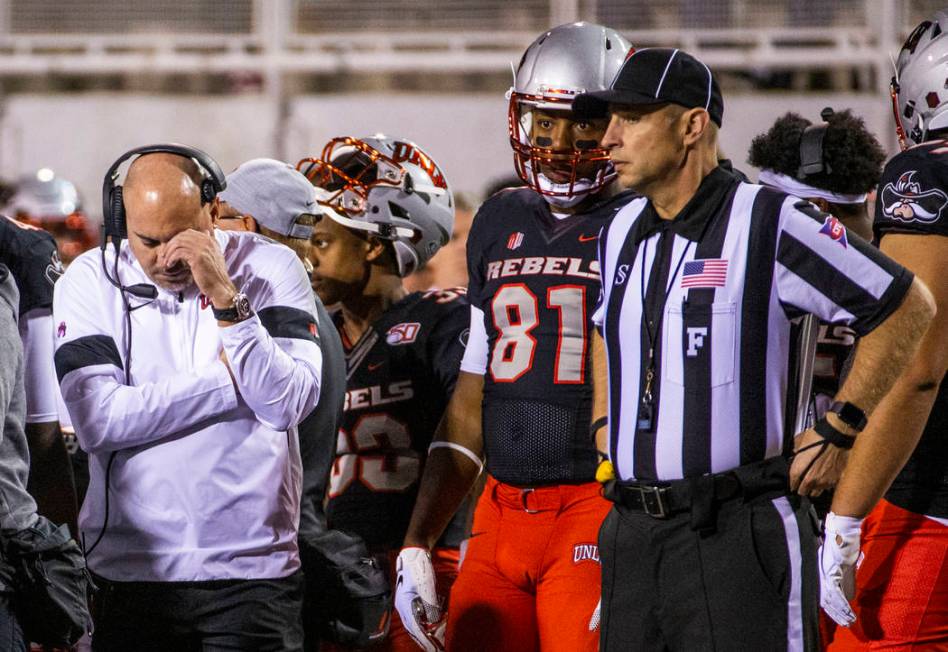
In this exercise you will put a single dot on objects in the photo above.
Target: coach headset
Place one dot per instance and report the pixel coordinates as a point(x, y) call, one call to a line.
point(115, 228)
point(811, 147)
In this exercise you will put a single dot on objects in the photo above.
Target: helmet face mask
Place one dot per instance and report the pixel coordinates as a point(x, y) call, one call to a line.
point(578, 170)
point(919, 89)
point(559, 65)
point(386, 187)
point(349, 168)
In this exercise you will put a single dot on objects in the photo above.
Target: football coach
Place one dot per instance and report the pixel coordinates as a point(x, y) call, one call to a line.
point(187, 357)
point(710, 543)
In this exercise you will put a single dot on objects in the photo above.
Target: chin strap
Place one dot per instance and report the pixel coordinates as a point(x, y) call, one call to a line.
point(582, 188)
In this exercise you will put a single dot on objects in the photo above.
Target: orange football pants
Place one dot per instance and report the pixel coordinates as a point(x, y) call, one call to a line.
point(531, 578)
point(901, 599)
point(445, 561)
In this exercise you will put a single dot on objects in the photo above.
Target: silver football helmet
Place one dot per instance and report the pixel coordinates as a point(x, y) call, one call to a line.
point(559, 65)
point(919, 94)
point(388, 187)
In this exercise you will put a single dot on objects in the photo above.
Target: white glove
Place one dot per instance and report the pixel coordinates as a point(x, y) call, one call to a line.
point(416, 599)
point(594, 621)
point(839, 557)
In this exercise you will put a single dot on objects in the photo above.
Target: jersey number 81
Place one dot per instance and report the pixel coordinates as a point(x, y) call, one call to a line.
point(515, 311)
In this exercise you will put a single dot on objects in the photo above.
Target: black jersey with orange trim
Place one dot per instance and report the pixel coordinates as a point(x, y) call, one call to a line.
point(536, 278)
point(400, 375)
point(913, 199)
point(31, 255)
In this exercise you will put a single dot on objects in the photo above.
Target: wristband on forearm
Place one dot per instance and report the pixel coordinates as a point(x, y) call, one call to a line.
point(849, 414)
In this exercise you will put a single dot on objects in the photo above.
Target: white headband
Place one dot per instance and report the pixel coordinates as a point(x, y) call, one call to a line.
point(799, 189)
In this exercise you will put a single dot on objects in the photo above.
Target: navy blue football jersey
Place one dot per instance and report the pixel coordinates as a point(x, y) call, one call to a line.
point(834, 346)
point(913, 199)
point(32, 257)
point(536, 279)
point(400, 375)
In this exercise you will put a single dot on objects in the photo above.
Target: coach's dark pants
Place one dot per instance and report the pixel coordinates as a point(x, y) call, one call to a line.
point(751, 583)
point(251, 615)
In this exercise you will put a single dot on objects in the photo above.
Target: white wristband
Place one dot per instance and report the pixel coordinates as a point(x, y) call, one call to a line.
point(463, 450)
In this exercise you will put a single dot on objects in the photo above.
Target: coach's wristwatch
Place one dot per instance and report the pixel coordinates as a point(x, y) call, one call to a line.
point(239, 310)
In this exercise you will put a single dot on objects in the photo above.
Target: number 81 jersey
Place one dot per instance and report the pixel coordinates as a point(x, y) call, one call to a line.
point(535, 278)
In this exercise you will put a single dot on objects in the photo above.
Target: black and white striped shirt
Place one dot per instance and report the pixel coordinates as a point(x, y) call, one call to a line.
point(738, 264)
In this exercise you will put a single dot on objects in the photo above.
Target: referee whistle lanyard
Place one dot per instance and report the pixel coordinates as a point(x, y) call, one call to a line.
point(646, 419)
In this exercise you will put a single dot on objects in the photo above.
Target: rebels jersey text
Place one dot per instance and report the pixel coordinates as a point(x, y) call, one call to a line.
point(536, 279)
point(913, 199)
point(401, 374)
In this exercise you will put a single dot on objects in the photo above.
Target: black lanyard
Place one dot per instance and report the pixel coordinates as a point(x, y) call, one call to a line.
point(646, 409)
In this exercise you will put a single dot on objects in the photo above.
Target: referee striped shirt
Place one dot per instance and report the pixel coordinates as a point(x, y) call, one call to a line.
point(738, 265)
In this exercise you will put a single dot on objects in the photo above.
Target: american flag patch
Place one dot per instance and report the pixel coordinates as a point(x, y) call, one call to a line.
point(515, 240)
point(710, 273)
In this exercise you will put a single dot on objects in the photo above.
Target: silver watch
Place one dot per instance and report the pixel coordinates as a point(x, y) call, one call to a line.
point(239, 310)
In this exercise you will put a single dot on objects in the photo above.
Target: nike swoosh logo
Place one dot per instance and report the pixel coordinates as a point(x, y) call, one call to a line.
point(373, 367)
point(588, 238)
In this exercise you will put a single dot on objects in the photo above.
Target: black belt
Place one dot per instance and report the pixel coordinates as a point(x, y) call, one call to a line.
point(699, 495)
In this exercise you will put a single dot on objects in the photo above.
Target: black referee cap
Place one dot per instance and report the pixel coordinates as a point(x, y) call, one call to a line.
point(658, 76)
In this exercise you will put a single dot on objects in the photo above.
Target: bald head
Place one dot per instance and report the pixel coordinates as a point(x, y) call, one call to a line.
point(162, 178)
point(162, 197)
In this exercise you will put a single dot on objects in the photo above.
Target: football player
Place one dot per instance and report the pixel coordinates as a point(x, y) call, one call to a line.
point(531, 575)
point(901, 585)
point(390, 210)
point(846, 166)
point(52, 203)
point(31, 255)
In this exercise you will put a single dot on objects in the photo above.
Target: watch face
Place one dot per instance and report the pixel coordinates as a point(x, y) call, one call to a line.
point(242, 306)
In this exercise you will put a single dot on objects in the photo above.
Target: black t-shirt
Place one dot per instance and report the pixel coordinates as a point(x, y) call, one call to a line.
point(401, 374)
point(536, 278)
point(31, 255)
point(913, 199)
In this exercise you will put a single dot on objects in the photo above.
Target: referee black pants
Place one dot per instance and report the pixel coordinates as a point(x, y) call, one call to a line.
point(217, 615)
point(750, 583)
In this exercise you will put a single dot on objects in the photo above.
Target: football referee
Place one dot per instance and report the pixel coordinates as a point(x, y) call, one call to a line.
point(707, 547)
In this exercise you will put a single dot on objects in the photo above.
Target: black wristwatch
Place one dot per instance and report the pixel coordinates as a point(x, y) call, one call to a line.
point(849, 414)
point(239, 310)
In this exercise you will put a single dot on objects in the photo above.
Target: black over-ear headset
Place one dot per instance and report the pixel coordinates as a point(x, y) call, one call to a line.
point(113, 209)
point(811, 147)
point(114, 229)
point(114, 226)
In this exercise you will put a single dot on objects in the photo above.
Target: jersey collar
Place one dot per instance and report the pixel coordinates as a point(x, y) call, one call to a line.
point(690, 223)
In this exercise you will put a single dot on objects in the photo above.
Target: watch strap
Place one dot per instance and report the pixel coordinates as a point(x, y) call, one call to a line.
point(237, 311)
point(225, 314)
point(837, 438)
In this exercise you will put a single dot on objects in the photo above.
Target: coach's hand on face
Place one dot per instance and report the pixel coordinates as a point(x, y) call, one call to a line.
point(816, 465)
point(199, 251)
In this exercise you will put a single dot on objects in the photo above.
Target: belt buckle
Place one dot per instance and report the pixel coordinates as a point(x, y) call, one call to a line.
point(523, 500)
point(653, 501)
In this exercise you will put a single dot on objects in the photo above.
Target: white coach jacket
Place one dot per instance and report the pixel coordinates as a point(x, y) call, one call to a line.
point(206, 478)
